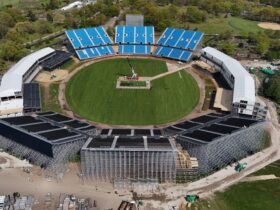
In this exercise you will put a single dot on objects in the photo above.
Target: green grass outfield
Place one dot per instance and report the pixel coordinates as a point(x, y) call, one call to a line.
point(256, 195)
point(238, 25)
point(92, 94)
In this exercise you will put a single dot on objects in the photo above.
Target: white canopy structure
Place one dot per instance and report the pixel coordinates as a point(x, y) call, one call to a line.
point(11, 100)
point(236, 75)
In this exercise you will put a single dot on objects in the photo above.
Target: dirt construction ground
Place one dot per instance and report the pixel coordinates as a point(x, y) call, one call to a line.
point(38, 184)
point(270, 26)
point(45, 76)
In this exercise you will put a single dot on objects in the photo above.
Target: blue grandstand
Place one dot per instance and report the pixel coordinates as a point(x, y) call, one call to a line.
point(178, 43)
point(90, 42)
point(134, 39)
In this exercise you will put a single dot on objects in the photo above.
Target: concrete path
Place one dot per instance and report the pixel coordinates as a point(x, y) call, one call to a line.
point(259, 178)
point(169, 72)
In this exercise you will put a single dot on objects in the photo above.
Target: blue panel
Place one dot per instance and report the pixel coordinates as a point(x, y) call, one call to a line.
point(157, 51)
point(148, 49)
point(120, 50)
point(104, 35)
point(111, 50)
point(141, 49)
point(165, 35)
point(165, 51)
point(176, 53)
point(172, 41)
point(119, 35)
point(95, 37)
point(129, 34)
point(195, 40)
point(140, 34)
point(73, 39)
point(92, 53)
point(185, 39)
point(81, 54)
point(103, 50)
point(128, 49)
point(84, 39)
point(150, 34)
point(185, 56)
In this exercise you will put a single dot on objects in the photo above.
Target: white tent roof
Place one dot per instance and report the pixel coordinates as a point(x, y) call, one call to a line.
point(12, 79)
point(244, 85)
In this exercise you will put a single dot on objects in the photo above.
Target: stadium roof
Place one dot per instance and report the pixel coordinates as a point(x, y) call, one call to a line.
point(12, 80)
point(130, 142)
point(244, 85)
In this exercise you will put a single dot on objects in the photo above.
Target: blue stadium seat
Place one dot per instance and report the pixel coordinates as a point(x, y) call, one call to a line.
point(84, 39)
point(82, 54)
point(142, 49)
point(104, 36)
point(129, 36)
point(90, 42)
point(176, 53)
point(185, 40)
point(185, 56)
point(165, 36)
point(195, 40)
point(73, 39)
point(92, 52)
point(150, 36)
point(119, 34)
point(128, 49)
point(178, 43)
point(140, 35)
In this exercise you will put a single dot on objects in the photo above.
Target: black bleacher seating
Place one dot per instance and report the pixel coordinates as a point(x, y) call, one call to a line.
point(31, 97)
point(56, 60)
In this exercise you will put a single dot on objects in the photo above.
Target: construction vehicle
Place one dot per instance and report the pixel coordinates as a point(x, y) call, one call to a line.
point(53, 76)
point(240, 166)
point(267, 71)
point(191, 198)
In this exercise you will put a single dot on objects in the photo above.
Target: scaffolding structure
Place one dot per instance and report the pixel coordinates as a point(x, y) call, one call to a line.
point(61, 152)
point(145, 160)
point(44, 143)
point(226, 149)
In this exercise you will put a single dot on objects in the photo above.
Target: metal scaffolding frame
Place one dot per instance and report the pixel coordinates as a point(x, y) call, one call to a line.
point(154, 165)
point(61, 152)
point(227, 149)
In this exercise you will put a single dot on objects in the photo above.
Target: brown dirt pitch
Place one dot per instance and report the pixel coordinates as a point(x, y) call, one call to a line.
point(270, 26)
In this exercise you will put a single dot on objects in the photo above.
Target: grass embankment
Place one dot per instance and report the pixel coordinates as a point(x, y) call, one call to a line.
point(220, 25)
point(92, 94)
point(49, 98)
point(209, 89)
point(255, 195)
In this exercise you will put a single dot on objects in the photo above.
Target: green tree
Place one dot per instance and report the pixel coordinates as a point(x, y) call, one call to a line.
point(194, 15)
point(3, 30)
point(272, 88)
point(6, 19)
point(14, 35)
point(227, 48)
point(261, 42)
point(25, 27)
point(111, 11)
point(43, 27)
point(31, 16)
point(49, 17)
point(12, 51)
point(54, 4)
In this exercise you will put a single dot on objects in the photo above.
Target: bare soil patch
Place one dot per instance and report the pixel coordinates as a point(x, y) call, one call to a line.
point(2, 160)
point(270, 26)
point(46, 77)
